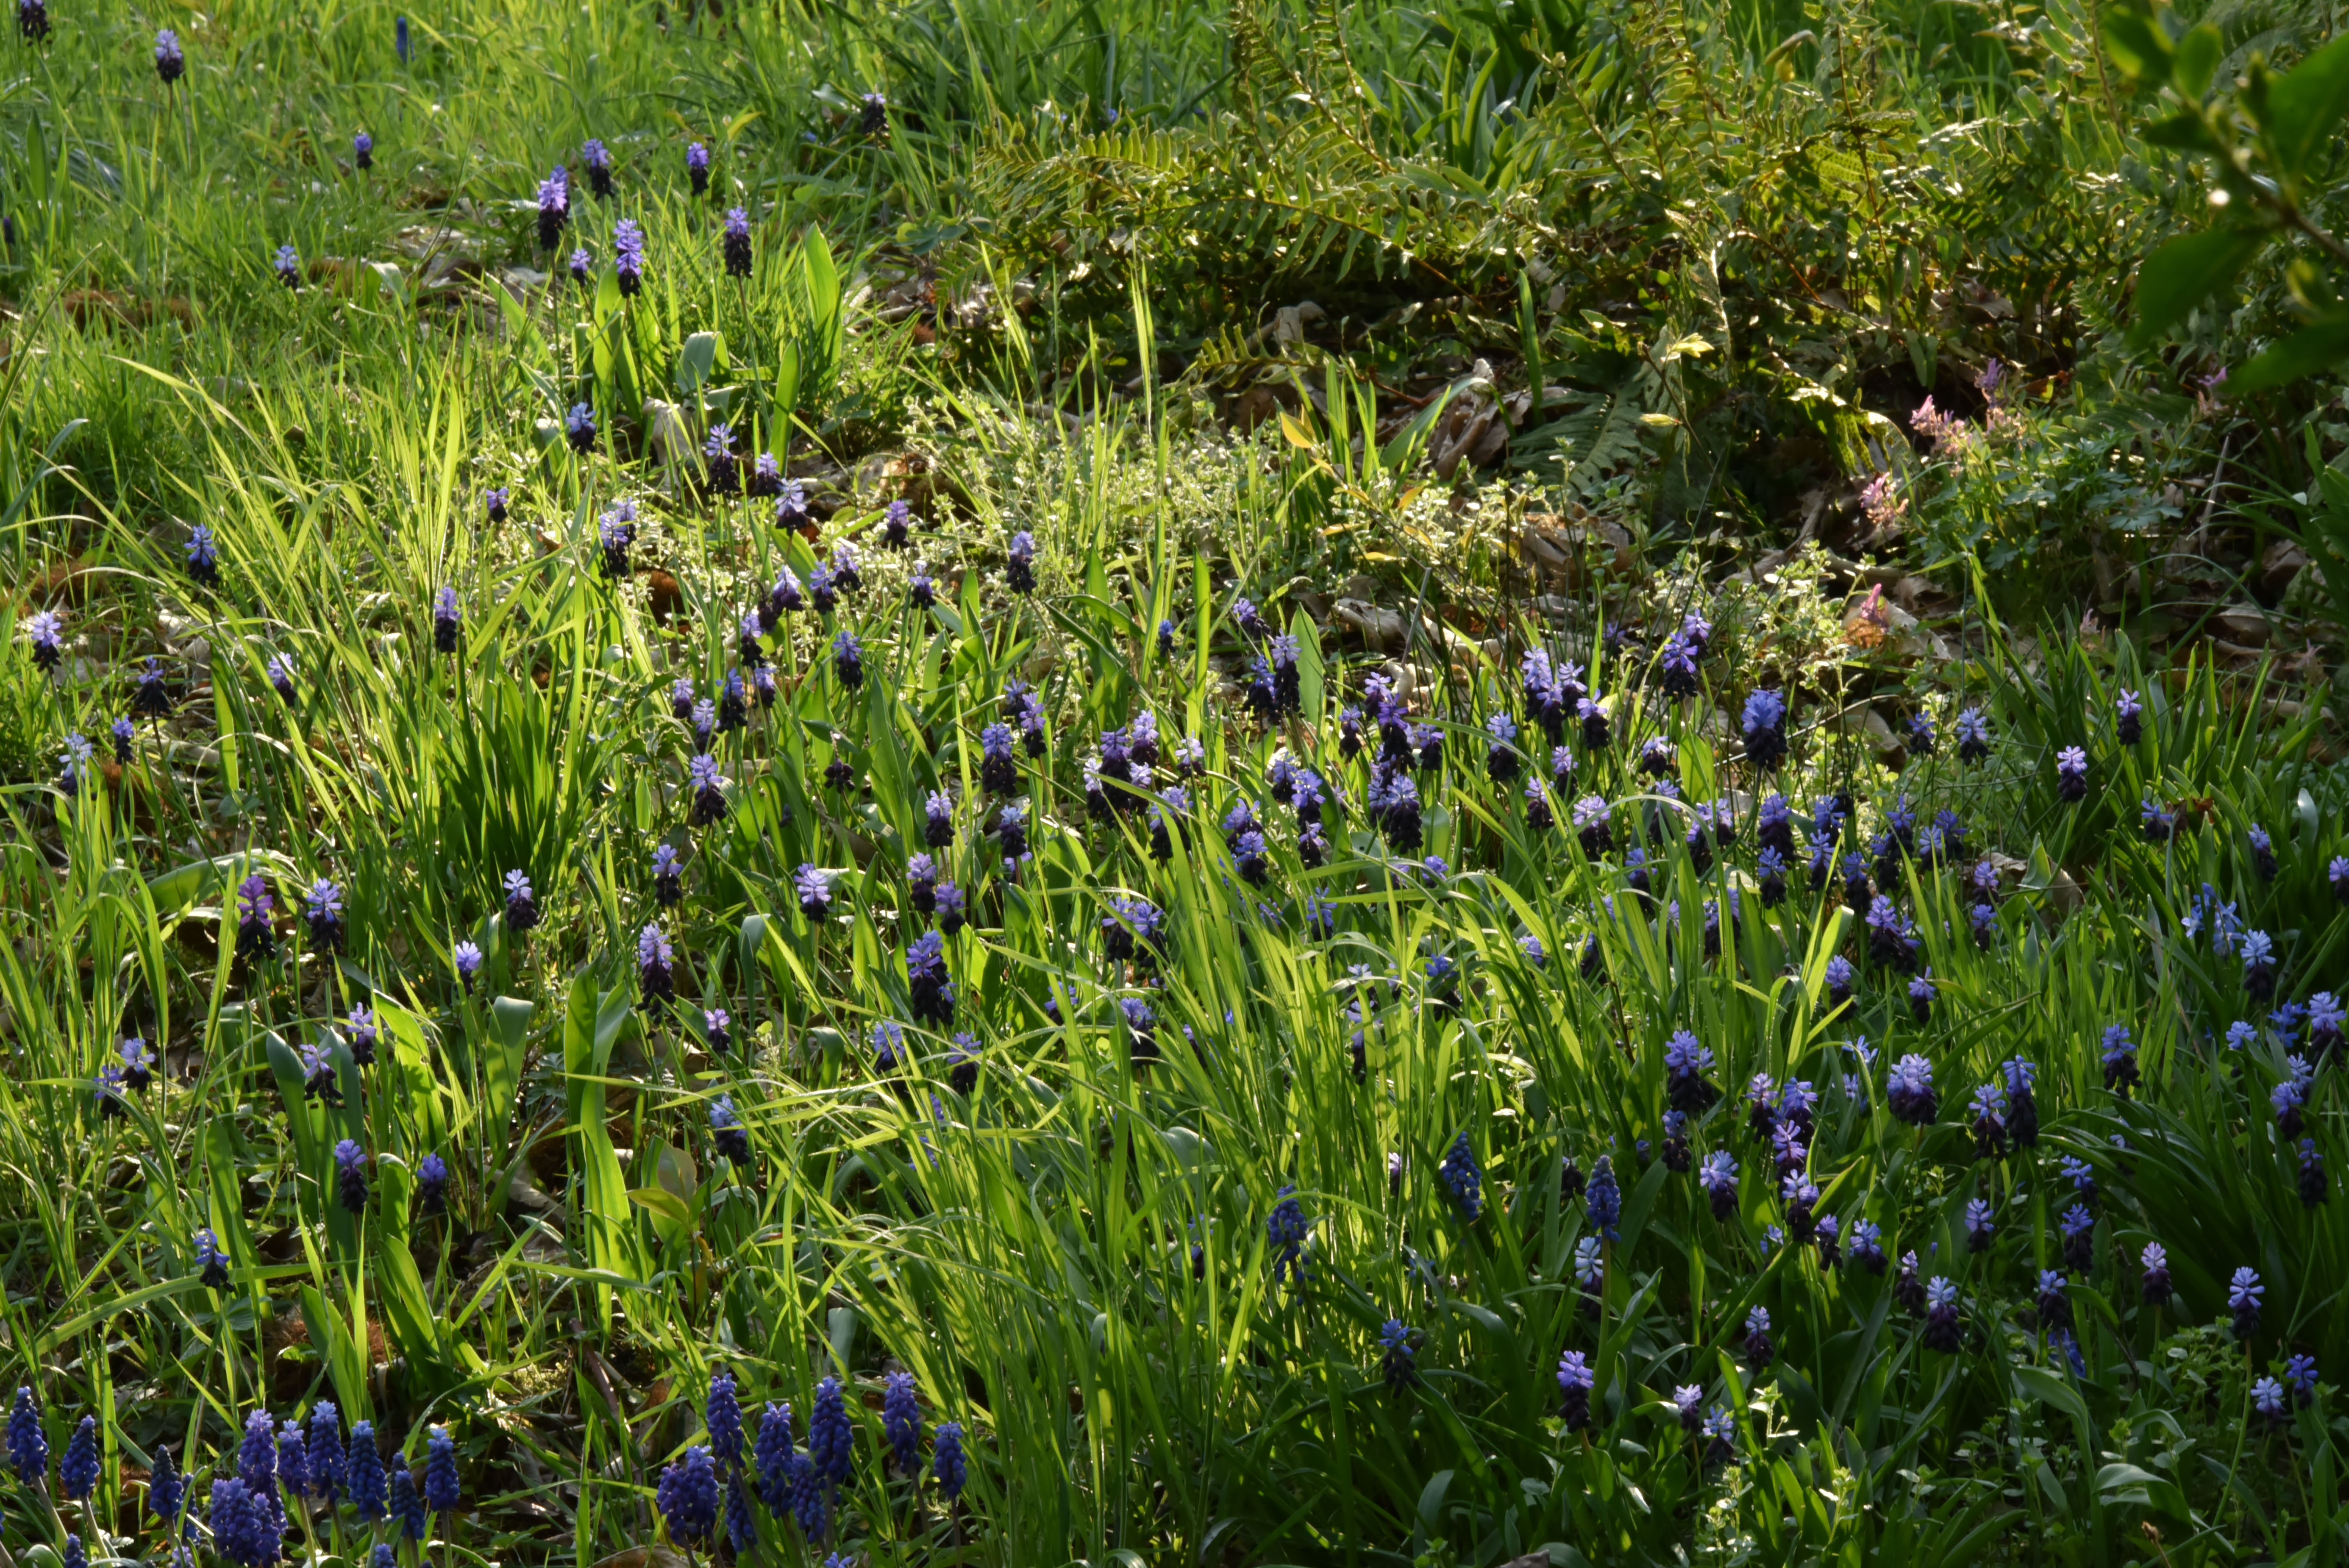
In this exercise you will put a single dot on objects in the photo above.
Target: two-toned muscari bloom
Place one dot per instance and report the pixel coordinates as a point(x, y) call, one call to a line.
point(598, 160)
point(628, 255)
point(1575, 1379)
point(727, 1131)
point(1909, 1092)
point(1764, 729)
point(656, 972)
point(813, 884)
point(553, 207)
point(171, 65)
point(1973, 736)
point(350, 1176)
point(1717, 1175)
point(709, 787)
point(2244, 1294)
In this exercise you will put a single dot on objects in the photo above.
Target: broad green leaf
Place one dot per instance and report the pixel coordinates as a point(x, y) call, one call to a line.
point(2137, 45)
point(2304, 104)
point(2305, 352)
point(2181, 132)
point(703, 355)
point(2197, 58)
point(2186, 271)
point(2128, 1483)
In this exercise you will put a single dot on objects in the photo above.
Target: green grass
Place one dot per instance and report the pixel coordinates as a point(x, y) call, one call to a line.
point(1073, 1248)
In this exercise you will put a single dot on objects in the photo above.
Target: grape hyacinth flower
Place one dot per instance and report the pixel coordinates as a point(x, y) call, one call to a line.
point(468, 956)
point(350, 1176)
point(287, 262)
point(1979, 1226)
point(1718, 1177)
point(32, 20)
point(323, 910)
point(77, 1467)
point(1867, 1246)
point(1909, 1092)
point(2268, 1402)
point(709, 787)
point(363, 151)
point(2022, 1108)
point(948, 1466)
point(432, 1186)
point(46, 632)
point(1989, 1122)
point(1685, 1063)
point(688, 1497)
point(1575, 1381)
point(1764, 729)
point(553, 208)
point(2244, 1296)
point(2258, 965)
point(2315, 1185)
point(150, 697)
point(813, 886)
point(167, 1492)
point(254, 936)
point(1942, 1332)
point(1591, 826)
point(1397, 1363)
point(932, 993)
point(293, 1461)
point(1829, 1234)
point(1019, 564)
point(212, 1264)
point(2119, 1060)
point(2054, 1306)
point(1758, 1348)
point(896, 525)
point(582, 267)
point(2128, 719)
point(171, 65)
point(830, 1441)
point(1284, 1231)
point(598, 159)
point(668, 876)
point(1687, 1403)
point(1839, 976)
point(697, 168)
point(2300, 1374)
point(1463, 1178)
point(1590, 1273)
point(366, 1474)
point(901, 1422)
point(1973, 736)
point(244, 1530)
point(655, 977)
point(627, 254)
point(771, 1456)
point(2326, 1018)
point(791, 510)
point(847, 660)
point(727, 1131)
point(579, 428)
point(1921, 995)
point(1604, 1201)
point(2263, 856)
point(736, 243)
point(2072, 775)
